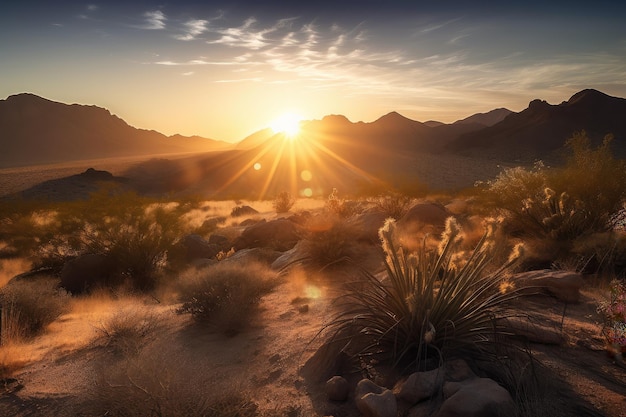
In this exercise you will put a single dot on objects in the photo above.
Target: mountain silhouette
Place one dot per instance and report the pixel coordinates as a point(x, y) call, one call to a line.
point(541, 130)
point(34, 130)
point(334, 152)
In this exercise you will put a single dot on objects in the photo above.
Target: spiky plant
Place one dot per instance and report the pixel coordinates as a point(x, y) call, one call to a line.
point(429, 305)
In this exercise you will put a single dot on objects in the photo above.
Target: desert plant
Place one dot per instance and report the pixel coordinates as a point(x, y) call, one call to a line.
point(226, 295)
point(394, 205)
point(283, 202)
point(613, 312)
point(27, 307)
point(126, 330)
point(563, 203)
point(428, 305)
point(338, 206)
point(329, 242)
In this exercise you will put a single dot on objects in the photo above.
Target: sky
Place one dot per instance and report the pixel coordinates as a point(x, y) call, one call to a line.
point(225, 69)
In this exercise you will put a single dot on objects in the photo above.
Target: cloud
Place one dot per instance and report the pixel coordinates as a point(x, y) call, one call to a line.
point(193, 28)
point(154, 20)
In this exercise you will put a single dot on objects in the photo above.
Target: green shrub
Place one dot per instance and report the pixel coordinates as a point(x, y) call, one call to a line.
point(429, 305)
point(283, 202)
point(225, 296)
point(28, 307)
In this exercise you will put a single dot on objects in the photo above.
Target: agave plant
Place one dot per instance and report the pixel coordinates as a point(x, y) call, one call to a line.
point(428, 305)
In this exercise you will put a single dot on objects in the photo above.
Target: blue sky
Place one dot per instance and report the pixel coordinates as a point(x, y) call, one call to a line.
point(226, 69)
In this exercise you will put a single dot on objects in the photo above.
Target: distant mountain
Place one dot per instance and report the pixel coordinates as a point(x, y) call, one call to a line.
point(486, 119)
point(34, 130)
point(540, 131)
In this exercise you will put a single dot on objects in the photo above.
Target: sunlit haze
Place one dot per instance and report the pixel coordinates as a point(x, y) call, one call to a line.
point(224, 70)
point(288, 123)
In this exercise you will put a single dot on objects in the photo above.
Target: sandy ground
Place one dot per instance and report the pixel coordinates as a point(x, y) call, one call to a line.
point(62, 368)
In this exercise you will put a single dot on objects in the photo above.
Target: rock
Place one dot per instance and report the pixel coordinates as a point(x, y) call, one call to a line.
point(196, 247)
point(458, 370)
point(375, 401)
point(477, 397)
point(337, 388)
point(243, 211)
point(421, 219)
point(219, 240)
point(85, 271)
point(262, 255)
point(367, 225)
point(290, 257)
point(280, 234)
point(533, 332)
point(564, 285)
point(419, 386)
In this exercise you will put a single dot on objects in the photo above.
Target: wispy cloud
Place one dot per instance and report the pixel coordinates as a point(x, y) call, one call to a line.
point(154, 20)
point(193, 28)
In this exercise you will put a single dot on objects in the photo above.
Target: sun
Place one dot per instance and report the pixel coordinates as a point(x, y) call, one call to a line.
point(288, 123)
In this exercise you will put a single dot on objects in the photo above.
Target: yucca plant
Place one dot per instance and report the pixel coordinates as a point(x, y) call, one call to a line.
point(429, 305)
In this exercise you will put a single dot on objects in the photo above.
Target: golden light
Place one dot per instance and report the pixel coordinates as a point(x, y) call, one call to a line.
point(306, 175)
point(288, 123)
point(257, 166)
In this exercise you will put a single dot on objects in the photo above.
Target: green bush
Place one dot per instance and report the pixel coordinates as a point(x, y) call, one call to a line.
point(225, 296)
point(428, 306)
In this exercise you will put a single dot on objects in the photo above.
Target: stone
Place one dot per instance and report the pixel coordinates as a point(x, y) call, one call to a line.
point(477, 397)
point(564, 285)
point(196, 247)
point(252, 255)
point(458, 370)
point(375, 401)
point(367, 225)
point(280, 234)
point(243, 211)
point(419, 386)
point(219, 240)
point(422, 219)
point(337, 388)
point(86, 271)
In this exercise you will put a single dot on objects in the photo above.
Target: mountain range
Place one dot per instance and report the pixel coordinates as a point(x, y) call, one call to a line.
point(328, 153)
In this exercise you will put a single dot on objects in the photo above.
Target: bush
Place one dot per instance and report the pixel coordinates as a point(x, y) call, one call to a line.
point(340, 207)
point(225, 296)
point(328, 243)
point(394, 205)
point(429, 305)
point(28, 307)
point(126, 330)
point(613, 312)
point(565, 203)
point(283, 202)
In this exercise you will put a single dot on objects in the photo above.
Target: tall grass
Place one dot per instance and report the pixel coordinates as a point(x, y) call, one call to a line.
point(428, 306)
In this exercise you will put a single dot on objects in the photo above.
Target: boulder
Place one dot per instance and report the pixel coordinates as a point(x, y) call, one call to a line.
point(288, 258)
point(243, 211)
point(196, 247)
point(337, 388)
point(422, 219)
point(419, 386)
point(86, 271)
point(458, 370)
point(375, 401)
point(477, 397)
point(564, 285)
point(219, 240)
point(367, 225)
point(280, 234)
point(261, 255)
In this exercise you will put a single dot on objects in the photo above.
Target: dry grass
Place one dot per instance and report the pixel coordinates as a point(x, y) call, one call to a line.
point(127, 330)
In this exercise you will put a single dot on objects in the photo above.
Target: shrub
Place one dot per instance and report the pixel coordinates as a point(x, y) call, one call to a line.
point(613, 312)
point(328, 243)
point(126, 330)
point(428, 306)
point(339, 206)
point(225, 296)
point(283, 202)
point(563, 204)
point(27, 307)
point(394, 205)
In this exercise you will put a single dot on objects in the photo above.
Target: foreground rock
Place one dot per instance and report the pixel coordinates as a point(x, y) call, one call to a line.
point(375, 401)
point(477, 397)
point(280, 234)
point(564, 285)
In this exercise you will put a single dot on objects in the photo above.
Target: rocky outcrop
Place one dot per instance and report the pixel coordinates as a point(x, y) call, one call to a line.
point(280, 234)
